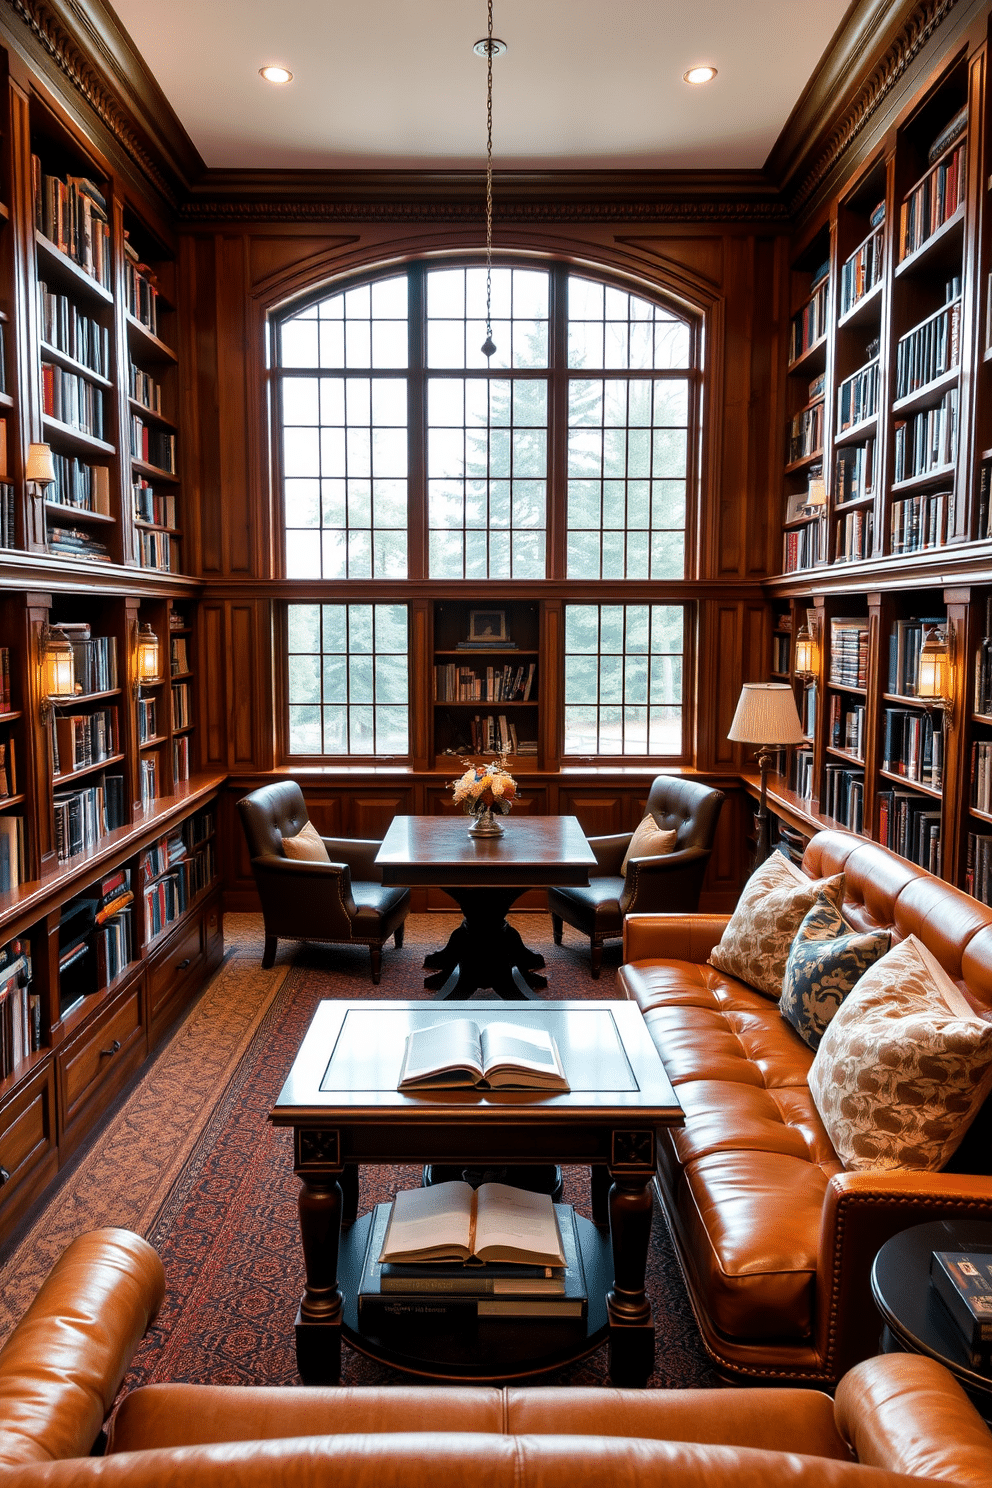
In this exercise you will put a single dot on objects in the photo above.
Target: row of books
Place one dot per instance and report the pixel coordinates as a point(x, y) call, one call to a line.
point(802, 774)
point(154, 548)
point(20, 1008)
point(8, 768)
point(983, 665)
point(70, 330)
point(984, 523)
point(12, 853)
point(910, 826)
point(178, 656)
point(144, 389)
point(162, 855)
point(847, 725)
point(77, 542)
point(928, 441)
point(855, 536)
point(805, 433)
point(6, 705)
point(805, 547)
point(849, 651)
point(8, 514)
point(857, 397)
point(94, 658)
point(82, 739)
point(167, 897)
point(905, 645)
point(84, 815)
point(150, 506)
point(114, 939)
point(148, 780)
point(180, 758)
point(844, 796)
point(153, 446)
point(140, 289)
point(182, 713)
point(458, 684)
point(492, 734)
point(978, 867)
point(855, 470)
point(781, 653)
point(72, 399)
point(147, 719)
point(72, 213)
point(77, 484)
point(921, 521)
point(933, 201)
point(863, 270)
point(913, 746)
point(811, 321)
point(981, 776)
point(931, 348)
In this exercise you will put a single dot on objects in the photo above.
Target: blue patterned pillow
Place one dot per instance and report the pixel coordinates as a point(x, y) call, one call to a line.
point(825, 962)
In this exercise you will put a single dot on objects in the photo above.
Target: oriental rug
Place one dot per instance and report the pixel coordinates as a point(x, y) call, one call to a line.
point(191, 1162)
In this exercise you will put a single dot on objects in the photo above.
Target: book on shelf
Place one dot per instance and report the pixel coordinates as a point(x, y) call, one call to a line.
point(144, 389)
point(152, 446)
point(847, 724)
point(983, 665)
point(148, 780)
point(152, 506)
point(905, 644)
point(12, 846)
point(802, 773)
point(80, 486)
point(113, 926)
point(491, 1056)
point(933, 201)
point(855, 536)
point(910, 826)
point(83, 739)
point(863, 270)
point(810, 323)
point(804, 436)
point(72, 214)
point(913, 746)
point(20, 1008)
point(70, 330)
point(933, 347)
point(8, 514)
point(180, 758)
point(456, 1222)
point(978, 866)
point(806, 546)
point(5, 702)
point(849, 651)
point(981, 775)
point(8, 768)
point(927, 441)
point(463, 1292)
point(72, 399)
point(75, 542)
point(84, 815)
point(94, 658)
point(154, 548)
point(962, 1279)
point(857, 397)
point(855, 471)
point(140, 287)
point(844, 795)
point(925, 520)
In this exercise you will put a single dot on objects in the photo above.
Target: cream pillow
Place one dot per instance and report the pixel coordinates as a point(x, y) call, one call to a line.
point(306, 846)
point(649, 841)
point(903, 1066)
point(776, 899)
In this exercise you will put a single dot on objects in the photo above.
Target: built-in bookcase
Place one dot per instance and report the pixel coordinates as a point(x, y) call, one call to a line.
point(487, 686)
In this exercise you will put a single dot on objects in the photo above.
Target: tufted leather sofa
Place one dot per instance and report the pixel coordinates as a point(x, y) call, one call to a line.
point(776, 1240)
point(897, 1422)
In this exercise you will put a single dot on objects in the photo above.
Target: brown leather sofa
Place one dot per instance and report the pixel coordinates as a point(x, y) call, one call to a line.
point(897, 1422)
point(776, 1240)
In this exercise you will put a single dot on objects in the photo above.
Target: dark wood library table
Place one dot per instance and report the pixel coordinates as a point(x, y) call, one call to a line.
point(484, 876)
point(342, 1103)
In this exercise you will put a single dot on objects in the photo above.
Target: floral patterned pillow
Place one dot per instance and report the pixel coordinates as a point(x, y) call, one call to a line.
point(776, 899)
point(904, 1066)
point(826, 960)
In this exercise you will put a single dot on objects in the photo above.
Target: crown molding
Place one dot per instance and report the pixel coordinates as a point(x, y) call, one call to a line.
point(872, 50)
point(520, 197)
point(83, 44)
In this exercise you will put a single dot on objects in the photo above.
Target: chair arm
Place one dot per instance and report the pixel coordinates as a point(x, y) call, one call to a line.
point(674, 937)
point(860, 1212)
point(310, 881)
point(888, 1409)
point(609, 852)
point(358, 853)
point(646, 878)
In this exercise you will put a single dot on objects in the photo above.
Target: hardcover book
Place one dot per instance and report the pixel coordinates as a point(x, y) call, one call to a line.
point(454, 1222)
point(496, 1056)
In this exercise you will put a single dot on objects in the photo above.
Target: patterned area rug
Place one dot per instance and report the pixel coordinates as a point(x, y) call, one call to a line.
point(223, 1217)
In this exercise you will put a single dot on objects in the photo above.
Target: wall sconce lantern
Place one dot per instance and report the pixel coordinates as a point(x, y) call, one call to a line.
point(147, 655)
point(807, 661)
point(40, 466)
point(58, 669)
point(935, 683)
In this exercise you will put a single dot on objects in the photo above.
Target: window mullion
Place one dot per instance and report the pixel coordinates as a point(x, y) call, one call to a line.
point(557, 487)
point(417, 542)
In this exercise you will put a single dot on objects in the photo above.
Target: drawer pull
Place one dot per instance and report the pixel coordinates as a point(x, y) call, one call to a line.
point(4, 1175)
point(182, 965)
point(112, 1050)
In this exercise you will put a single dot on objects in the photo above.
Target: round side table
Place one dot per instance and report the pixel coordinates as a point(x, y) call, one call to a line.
point(915, 1318)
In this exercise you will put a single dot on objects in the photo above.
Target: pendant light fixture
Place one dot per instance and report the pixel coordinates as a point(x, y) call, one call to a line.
point(489, 48)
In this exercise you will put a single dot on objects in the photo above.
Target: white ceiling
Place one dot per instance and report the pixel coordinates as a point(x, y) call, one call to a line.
point(395, 84)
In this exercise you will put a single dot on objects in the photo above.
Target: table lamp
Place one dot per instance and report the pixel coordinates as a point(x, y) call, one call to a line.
point(767, 716)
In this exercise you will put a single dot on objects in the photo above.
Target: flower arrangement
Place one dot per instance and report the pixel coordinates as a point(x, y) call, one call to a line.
point(484, 791)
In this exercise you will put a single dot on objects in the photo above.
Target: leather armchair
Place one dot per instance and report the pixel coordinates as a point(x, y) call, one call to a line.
point(341, 901)
point(671, 883)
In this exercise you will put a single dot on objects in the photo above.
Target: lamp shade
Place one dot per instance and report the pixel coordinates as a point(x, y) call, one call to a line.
point(766, 714)
point(40, 466)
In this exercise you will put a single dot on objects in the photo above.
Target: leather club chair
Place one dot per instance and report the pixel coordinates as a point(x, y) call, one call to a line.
point(669, 884)
point(339, 901)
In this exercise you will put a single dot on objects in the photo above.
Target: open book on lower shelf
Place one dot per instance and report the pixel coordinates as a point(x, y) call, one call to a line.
point(495, 1056)
point(454, 1222)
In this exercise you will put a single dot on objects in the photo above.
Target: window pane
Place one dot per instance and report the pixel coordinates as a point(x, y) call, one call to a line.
point(348, 679)
point(456, 318)
point(623, 679)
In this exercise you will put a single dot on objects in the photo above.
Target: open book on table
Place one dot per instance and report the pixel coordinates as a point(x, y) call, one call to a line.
point(454, 1222)
point(495, 1056)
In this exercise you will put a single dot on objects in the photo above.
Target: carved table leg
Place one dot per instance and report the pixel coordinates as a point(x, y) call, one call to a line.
point(318, 1325)
point(631, 1323)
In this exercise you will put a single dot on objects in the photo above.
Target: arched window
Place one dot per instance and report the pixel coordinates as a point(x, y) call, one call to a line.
point(405, 454)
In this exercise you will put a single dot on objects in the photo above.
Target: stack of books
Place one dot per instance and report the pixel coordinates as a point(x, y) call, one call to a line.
point(497, 1252)
point(963, 1281)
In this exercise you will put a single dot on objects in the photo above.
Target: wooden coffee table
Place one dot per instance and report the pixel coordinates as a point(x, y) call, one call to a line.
point(342, 1103)
point(484, 875)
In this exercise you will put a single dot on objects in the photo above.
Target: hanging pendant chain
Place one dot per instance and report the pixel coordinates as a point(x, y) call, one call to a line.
point(489, 178)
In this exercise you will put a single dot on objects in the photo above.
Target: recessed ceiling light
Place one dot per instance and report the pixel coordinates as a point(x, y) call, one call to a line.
point(699, 75)
point(275, 74)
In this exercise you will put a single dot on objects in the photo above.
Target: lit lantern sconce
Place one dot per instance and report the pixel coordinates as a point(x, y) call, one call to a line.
point(147, 657)
point(40, 467)
point(935, 684)
point(58, 670)
point(807, 660)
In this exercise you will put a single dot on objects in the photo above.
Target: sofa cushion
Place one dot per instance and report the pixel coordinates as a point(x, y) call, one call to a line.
point(904, 1067)
point(776, 899)
point(306, 846)
point(649, 841)
point(826, 960)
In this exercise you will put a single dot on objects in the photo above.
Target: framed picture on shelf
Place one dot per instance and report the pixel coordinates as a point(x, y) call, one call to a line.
point(486, 626)
point(795, 506)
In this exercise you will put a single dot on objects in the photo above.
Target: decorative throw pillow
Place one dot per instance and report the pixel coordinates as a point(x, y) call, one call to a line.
point(649, 841)
point(903, 1067)
point(776, 899)
point(826, 960)
point(306, 846)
